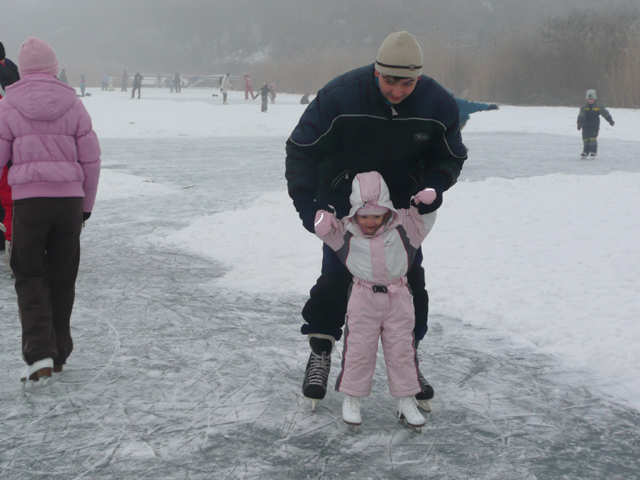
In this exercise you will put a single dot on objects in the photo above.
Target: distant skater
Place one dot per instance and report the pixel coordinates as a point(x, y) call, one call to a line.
point(137, 85)
point(589, 123)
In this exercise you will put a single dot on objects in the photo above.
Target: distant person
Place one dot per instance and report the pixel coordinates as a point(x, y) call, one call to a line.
point(380, 305)
point(248, 87)
point(104, 84)
point(225, 85)
point(305, 99)
point(467, 107)
point(177, 83)
point(272, 92)
point(55, 165)
point(83, 85)
point(124, 82)
point(63, 76)
point(264, 97)
point(589, 123)
point(8, 75)
point(137, 85)
point(8, 71)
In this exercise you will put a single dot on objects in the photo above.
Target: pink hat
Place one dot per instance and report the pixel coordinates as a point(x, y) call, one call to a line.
point(36, 56)
point(372, 208)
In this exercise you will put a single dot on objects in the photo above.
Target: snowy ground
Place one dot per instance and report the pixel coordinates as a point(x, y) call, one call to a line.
point(194, 268)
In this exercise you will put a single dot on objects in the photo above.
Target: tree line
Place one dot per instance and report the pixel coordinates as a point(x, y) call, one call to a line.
point(552, 64)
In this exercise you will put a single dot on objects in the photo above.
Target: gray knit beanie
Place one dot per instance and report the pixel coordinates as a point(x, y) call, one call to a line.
point(400, 55)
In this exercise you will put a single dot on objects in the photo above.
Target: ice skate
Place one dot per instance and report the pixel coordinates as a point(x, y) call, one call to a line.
point(409, 414)
point(593, 155)
point(316, 374)
point(351, 411)
point(423, 398)
point(40, 370)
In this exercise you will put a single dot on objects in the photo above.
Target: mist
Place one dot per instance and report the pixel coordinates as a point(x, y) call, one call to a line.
point(477, 48)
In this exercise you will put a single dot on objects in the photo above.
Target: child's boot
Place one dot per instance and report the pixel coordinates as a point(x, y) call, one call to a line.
point(408, 411)
point(351, 410)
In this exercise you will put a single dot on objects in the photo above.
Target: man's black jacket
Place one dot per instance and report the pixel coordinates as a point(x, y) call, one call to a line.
point(350, 128)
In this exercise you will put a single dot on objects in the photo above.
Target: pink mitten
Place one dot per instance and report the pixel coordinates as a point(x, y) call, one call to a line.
point(324, 223)
point(426, 196)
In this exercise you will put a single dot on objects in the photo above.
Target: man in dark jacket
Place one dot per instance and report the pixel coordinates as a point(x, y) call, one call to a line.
point(8, 75)
point(385, 117)
point(589, 123)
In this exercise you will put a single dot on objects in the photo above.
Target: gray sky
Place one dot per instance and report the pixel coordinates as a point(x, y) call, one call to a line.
point(206, 36)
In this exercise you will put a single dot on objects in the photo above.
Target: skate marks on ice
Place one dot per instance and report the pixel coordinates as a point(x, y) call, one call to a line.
point(180, 382)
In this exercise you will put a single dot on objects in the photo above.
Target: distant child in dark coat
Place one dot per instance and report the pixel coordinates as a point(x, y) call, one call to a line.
point(589, 123)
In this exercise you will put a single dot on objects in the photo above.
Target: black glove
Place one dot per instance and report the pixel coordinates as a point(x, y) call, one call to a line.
point(85, 216)
point(612, 123)
point(493, 106)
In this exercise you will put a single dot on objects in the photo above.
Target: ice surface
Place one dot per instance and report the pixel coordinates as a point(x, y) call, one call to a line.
point(182, 370)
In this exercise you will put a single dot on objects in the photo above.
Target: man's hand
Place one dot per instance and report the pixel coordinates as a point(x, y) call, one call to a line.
point(492, 106)
point(612, 123)
point(325, 223)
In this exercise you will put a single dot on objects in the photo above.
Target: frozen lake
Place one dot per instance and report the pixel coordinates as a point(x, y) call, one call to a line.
point(178, 374)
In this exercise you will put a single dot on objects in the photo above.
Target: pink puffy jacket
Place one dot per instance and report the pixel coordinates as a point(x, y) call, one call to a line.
point(46, 133)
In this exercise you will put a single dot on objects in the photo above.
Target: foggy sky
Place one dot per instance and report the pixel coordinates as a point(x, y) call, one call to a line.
point(205, 36)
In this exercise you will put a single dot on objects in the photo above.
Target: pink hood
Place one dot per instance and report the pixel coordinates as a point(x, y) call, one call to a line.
point(41, 96)
point(369, 189)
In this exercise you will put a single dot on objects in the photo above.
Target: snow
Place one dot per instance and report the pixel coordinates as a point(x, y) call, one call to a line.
point(188, 361)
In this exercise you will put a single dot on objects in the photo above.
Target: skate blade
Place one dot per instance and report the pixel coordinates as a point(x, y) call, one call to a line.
point(314, 404)
point(352, 427)
point(424, 405)
point(410, 426)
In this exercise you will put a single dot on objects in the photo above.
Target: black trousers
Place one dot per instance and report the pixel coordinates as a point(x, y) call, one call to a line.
point(326, 308)
point(44, 258)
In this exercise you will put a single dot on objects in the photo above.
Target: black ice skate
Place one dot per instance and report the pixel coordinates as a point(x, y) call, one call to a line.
point(316, 375)
point(423, 398)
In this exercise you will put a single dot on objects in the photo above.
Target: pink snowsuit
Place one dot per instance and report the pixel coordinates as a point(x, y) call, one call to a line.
point(380, 304)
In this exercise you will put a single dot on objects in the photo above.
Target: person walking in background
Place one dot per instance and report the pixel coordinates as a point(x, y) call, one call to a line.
point(386, 117)
point(8, 71)
point(124, 81)
point(272, 92)
point(467, 107)
point(137, 85)
point(225, 85)
point(83, 85)
point(8, 75)
point(264, 97)
point(46, 134)
point(63, 76)
point(248, 87)
point(177, 82)
point(380, 305)
point(589, 123)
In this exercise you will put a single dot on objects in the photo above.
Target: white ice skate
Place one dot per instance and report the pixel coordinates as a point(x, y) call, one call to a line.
point(40, 370)
point(409, 414)
point(351, 411)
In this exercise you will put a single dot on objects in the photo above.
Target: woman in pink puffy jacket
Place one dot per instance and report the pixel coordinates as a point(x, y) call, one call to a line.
point(378, 244)
point(54, 156)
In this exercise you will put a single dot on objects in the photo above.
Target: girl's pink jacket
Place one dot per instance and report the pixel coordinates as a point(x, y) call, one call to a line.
point(46, 133)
